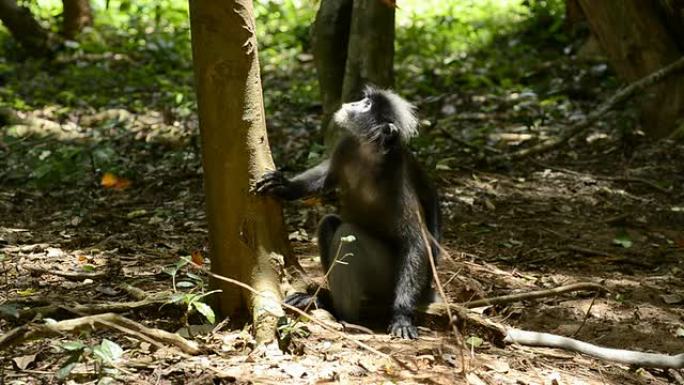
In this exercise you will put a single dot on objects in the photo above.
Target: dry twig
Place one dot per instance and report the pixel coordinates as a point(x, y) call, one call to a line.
point(535, 294)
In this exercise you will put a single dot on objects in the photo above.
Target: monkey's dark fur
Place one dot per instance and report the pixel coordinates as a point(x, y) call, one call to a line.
point(381, 190)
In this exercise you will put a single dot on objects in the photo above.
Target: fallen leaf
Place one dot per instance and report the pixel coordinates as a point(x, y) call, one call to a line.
point(672, 299)
point(623, 240)
point(293, 369)
point(474, 341)
point(474, 379)
point(26, 292)
point(23, 362)
point(54, 252)
point(498, 366)
point(197, 257)
point(314, 201)
point(111, 181)
point(136, 213)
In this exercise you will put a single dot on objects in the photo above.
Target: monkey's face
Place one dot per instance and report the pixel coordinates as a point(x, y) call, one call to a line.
point(361, 120)
point(355, 117)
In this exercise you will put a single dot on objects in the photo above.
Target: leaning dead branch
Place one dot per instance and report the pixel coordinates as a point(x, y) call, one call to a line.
point(620, 96)
point(440, 288)
point(109, 320)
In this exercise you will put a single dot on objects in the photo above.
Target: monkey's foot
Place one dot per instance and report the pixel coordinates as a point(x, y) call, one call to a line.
point(403, 327)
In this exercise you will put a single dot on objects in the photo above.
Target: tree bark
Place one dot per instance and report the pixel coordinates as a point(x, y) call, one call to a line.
point(330, 43)
point(246, 232)
point(77, 14)
point(24, 28)
point(637, 43)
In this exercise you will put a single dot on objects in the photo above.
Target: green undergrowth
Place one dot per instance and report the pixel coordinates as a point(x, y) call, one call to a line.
point(137, 58)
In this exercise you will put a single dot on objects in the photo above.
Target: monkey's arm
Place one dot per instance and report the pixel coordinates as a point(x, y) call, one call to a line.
point(311, 182)
point(412, 280)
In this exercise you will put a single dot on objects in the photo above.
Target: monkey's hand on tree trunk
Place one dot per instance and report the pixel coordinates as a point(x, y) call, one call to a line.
point(275, 183)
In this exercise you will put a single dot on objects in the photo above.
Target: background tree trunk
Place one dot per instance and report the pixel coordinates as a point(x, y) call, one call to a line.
point(330, 42)
point(673, 11)
point(370, 56)
point(362, 37)
point(246, 231)
point(636, 41)
point(77, 14)
point(24, 28)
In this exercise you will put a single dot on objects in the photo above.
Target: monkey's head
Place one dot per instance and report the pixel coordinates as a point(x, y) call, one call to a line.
point(381, 116)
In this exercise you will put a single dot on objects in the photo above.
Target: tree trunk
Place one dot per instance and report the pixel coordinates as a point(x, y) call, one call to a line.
point(77, 14)
point(24, 28)
point(330, 40)
point(246, 232)
point(370, 56)
point(673, 11)
point(637, 43)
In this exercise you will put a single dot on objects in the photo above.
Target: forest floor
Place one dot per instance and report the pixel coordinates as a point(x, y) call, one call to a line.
point(101, 186)
point(595, 216)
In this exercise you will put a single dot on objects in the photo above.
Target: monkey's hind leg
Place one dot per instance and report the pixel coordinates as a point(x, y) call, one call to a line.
point(327, 228)
point(360, 280)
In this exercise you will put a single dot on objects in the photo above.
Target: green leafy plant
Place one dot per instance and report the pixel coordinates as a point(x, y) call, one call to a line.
point(104, 356)
point(193, 301)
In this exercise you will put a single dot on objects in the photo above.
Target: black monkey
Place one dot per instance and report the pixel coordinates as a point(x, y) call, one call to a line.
point(381, 189)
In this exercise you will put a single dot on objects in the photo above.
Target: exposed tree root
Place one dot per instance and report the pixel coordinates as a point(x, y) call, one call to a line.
point(620, 96)
point(94, 308)
point(110, 320)
point(628, 357)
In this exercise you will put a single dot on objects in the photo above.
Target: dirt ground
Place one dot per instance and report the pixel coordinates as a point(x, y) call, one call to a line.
point(599, 216)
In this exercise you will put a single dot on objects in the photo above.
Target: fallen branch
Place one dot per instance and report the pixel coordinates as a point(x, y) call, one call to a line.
point(620, 96)
point(627, 357)
point(588, 286)
point(110, 320)
point(70, 275)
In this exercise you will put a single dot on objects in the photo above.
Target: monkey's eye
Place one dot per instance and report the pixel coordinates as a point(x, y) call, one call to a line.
point(363, 105)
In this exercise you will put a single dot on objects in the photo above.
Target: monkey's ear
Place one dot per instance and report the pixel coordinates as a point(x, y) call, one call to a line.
point(390, 134)
point(390, 129)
